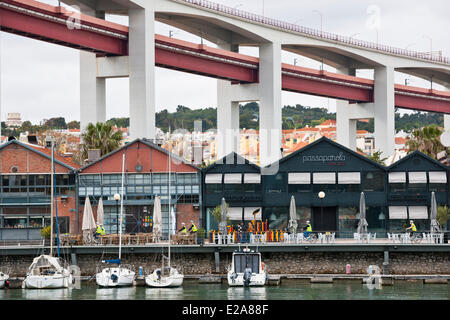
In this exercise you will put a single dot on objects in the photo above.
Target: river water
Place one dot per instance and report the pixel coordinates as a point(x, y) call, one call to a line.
point(288, 290)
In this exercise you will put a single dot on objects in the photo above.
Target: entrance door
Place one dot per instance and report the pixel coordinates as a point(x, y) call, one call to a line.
point(138, 219)
point(324, 219)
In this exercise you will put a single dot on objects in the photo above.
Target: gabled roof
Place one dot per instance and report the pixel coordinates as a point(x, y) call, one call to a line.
point(331, 142)
point(239, 160)
point(420, 154)
point(43, 152)
point(146, 142)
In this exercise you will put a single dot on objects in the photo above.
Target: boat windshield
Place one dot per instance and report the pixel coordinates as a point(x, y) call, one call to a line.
point(241, 261)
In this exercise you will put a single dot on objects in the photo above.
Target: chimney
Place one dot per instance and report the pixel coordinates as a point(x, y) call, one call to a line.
point(93, 155)
point(33, 140)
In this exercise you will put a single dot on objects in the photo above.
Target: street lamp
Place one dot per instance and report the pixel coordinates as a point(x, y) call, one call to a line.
point(321, 20)
point(117, 198)
point(431, 44)
point(321, 196)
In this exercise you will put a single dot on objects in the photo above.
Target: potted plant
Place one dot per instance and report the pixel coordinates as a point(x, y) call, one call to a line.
point(442, 218)
point(45, 234)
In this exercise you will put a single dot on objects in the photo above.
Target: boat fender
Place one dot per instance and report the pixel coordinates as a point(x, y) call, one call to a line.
point(247, 276)
point(114, 277)
point(262, 265)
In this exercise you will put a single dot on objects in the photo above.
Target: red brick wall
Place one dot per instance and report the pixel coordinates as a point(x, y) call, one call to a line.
point(64, 207)
point(186, 213)
point(26, 161)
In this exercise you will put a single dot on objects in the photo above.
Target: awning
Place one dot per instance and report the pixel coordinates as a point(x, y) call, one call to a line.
point(437, 176)
point(349, 177)
point(418, 212)
point(324, 178)
point(299, 178)
point(233, 178)
point(235, 213)
point(398, 212)
point(397, 177)
point(248, 213)
point(213, 178)
point(252, 178)
point(417, 177)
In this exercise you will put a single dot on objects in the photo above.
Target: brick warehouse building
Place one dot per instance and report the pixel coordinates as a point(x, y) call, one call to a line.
point(146, 176)
point(25, 191)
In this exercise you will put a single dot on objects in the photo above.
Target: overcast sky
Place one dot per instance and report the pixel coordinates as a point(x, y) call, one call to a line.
point(41, 80)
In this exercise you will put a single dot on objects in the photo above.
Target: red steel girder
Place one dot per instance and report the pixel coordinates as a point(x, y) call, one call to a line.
point(49, 31)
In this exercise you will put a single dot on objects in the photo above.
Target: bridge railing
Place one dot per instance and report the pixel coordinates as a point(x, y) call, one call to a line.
point(316, 33)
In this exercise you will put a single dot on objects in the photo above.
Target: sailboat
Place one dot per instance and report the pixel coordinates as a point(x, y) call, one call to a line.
point(46, 271)
point(166, 276)
point(119, 276)
point(4, 276)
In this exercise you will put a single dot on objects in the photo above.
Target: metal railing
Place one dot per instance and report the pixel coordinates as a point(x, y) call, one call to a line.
point(314, 32)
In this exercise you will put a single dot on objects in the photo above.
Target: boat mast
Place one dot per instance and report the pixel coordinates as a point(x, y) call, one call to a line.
point(51, 205)
point(121, 208)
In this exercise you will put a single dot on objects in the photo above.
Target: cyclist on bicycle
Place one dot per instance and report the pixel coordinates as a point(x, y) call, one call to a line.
point(412, 228)
point(308, 229)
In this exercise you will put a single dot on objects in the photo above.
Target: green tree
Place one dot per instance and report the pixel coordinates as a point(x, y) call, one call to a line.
point(377, 158)
point(426, 140)
point(100, 136)
point(73, 125)
point(217, 213)
point(442, 215)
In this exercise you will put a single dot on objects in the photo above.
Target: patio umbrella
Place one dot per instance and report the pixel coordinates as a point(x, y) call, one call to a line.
point(362, 225)
point(173, 221)
point(157, 218)
point(292, 216)
point(88, 221)
point(100, 213)
point(223, 222)
point(434, 226)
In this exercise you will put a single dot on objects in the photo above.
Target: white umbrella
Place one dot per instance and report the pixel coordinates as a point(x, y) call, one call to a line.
point(100, 213)
point(88, 221)
point(173, 221)
point(223, 223)
point(157, 219)
point(362, 225)
point(292, 216)
point(435, 227)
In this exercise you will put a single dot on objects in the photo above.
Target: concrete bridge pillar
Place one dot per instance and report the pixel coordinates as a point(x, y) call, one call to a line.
point(384, 110)
point(92, 88)
point(270, 120)
point(227, 113)
point(346, 125)
point(142, 72)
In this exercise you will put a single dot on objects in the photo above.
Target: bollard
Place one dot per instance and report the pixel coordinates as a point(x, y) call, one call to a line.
point(348, 269)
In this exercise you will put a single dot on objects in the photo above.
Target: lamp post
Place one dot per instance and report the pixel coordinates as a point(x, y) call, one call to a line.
point(321, 196)
point(117, 198)
point(321, 20)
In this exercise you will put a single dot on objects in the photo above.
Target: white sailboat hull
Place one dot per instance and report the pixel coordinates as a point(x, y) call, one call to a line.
point(47, 282)
point(115, 277)
point(174, 279)
point(257, 279)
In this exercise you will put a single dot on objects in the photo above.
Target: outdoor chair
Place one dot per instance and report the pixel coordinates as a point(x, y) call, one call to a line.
point(373, 236)
point(231, 240)
point(299, 238)
point(356, 236)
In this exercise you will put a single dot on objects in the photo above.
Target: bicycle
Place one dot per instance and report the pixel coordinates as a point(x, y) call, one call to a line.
point(312, 238)
point(416, 237)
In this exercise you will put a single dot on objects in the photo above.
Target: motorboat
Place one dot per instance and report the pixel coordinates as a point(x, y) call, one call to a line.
point(246, 269)
point(165, 277)
point(46, 272)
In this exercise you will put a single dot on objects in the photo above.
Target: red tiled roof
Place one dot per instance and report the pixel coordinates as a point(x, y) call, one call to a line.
point(400, 140)
point(328, 123)
point(67, 160)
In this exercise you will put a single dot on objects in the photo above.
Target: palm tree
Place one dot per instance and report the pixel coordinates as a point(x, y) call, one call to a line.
point(426, 140)
point(100, 136)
